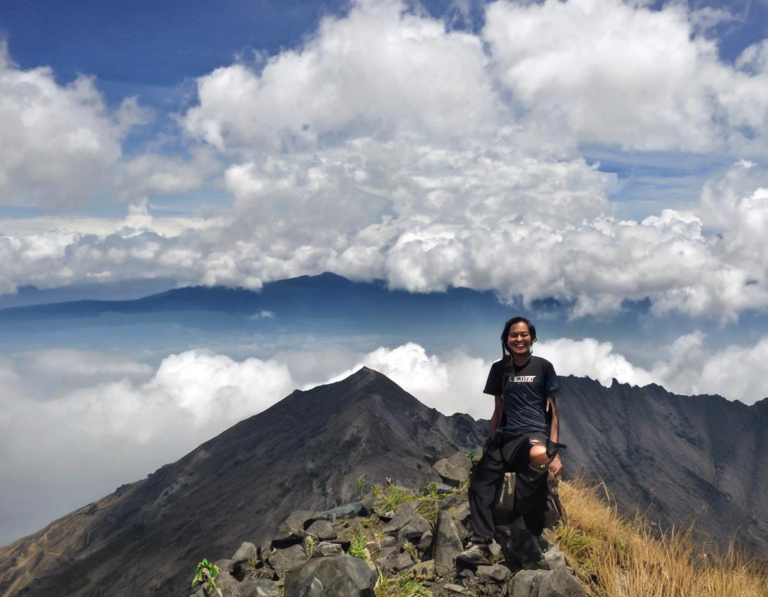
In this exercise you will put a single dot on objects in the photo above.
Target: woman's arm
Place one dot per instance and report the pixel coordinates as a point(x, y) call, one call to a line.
point(496, 418)
point(554, 434)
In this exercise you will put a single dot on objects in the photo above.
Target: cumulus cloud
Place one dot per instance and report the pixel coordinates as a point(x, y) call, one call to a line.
point(611, 72)
point(57, 141)
point(388, 146)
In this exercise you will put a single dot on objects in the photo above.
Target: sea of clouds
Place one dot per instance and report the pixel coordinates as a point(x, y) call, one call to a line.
point(74, 424)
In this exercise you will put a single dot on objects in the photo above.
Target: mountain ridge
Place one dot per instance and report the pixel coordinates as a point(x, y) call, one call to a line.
point(667, 454)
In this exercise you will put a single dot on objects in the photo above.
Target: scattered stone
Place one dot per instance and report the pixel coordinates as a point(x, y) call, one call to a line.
point(496, 573)
point(425, 545)
point(424, 570)
point(388, 541)
point(455, 588)
point(322, 529)
point(325, 549)
point(467, 573)
point(286, 559)
point(447, 544)
point(343, 511)
point(395, 562)
point(226, 583)
point(242, 559)
point(260, 587)
point(291, 530)
point(401, 518)
point(454, 470)
point(339, 576)
point(413, 530)
point(461, 530)
point(367, 504)
point(560, 583)
point(526, 583)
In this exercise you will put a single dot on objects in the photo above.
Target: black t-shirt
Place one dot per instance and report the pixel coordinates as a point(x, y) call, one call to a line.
point(525, 393)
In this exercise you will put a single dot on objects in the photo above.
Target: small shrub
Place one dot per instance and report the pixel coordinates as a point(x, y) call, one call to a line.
point(393, 496)
point(358, 546)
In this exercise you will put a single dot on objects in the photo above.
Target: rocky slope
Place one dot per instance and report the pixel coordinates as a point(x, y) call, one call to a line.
point(684, 457)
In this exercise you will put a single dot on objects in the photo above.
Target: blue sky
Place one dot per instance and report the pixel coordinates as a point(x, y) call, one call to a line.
point(607, 157)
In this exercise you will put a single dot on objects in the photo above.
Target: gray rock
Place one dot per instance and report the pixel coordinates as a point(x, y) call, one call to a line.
point(526, 583)
point(462, 530)
point(288, 558)
point(425, 545)
point(413, 530)
point(367, 504)
point(447, 545)
point(322, 529)
point(454, 588)
point(226, 583)
point(197, 591)
point(291, 530)
point(395, 562)
point(260, 587)
point(560, 583)
point(325, 549)
point(401, 518)
point(242, 558)
point(339, 576)
point(343, 511)
point(388, 541)
point(424, 570)
point(545, 583)
point(454, 470)
point(458, 507)
point(496, 573)
point(315, 589)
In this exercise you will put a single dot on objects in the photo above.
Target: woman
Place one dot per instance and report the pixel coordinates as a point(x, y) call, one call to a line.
point(524, 436)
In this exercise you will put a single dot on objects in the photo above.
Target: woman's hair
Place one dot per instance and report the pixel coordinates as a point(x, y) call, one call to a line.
point(505, 333)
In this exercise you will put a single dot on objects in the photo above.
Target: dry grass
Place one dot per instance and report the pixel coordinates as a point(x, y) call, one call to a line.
point(617, 557)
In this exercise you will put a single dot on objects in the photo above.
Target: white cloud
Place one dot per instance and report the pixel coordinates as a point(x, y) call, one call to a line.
point(56, 142)
point(76, 424)
point(614, 73)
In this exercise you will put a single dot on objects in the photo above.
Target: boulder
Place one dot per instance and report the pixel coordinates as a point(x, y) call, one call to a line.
point(288, 558)
point(457, 506)
point(291, 530)
point(243, 557)
point(322, 529)
point(447, 545)
point(402, 517)
point(336, 576)
point(545, 583)
point(226, 583)
point(496, 573)
point(454, 470)
point(395, 562)
point(260, 587)
point(526, 583)
point(326, 548)
point(424, 570)
point(413, 530)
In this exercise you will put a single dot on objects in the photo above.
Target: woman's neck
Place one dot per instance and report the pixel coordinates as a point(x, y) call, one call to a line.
point(520, 360)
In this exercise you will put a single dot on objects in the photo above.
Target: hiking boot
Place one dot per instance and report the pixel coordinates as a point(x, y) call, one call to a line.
point(475, 555)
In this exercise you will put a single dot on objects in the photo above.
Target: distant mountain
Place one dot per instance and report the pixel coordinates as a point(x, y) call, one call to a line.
point(326, 296)
point(682, 458)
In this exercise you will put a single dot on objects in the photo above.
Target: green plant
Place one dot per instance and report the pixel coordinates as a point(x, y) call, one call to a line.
point(358, 546)
point(360, 481)
point(310, 543)
point(402, 585)
point(206, 572)
point(393, 496)
point(428, 509)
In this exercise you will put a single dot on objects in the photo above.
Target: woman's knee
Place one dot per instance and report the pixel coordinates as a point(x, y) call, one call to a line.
point(538, 454)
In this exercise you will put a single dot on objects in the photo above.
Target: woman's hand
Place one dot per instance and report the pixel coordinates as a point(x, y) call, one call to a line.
point(556, 465)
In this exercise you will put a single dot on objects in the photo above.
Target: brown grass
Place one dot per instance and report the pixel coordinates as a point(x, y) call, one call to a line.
point(617, 557)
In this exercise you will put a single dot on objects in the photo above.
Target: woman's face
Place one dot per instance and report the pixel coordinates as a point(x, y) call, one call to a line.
point(519, 339)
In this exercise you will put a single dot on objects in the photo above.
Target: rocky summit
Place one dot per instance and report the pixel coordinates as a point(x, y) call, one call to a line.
point(394, 542)
point(678, 458)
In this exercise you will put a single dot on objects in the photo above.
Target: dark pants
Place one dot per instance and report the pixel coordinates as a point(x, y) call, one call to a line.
point(511, 454)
